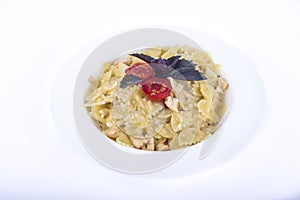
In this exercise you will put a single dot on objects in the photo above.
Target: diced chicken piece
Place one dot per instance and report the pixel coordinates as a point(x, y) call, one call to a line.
point(172, 103)
point(150, 144)
point(137, 142)
point(112, 132)
point(145, 144)
point(224, 84)
point(162, 147)
point(92, 80)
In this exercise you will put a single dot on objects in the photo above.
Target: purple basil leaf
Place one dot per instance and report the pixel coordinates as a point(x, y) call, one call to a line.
point(172, 61)
point(185, 69)
point(171, 67)
point(184, 64)
point(144, 57)
point(188, 75)
point(129, 80)
point(160, 61)
point(161, 71)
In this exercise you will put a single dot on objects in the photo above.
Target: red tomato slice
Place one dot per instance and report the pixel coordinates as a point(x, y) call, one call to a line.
point(141, 70)
point(156, 89)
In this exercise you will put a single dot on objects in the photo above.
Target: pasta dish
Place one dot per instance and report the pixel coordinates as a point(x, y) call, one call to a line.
point(158, 99)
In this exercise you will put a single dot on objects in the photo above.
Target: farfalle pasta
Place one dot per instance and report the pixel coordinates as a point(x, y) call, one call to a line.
point(185, 104)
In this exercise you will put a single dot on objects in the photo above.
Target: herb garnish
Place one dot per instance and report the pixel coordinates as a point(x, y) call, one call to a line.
point(172, 67)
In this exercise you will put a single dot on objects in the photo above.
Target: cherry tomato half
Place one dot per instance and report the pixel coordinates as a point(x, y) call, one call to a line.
point(156, 89)
point(141, 70)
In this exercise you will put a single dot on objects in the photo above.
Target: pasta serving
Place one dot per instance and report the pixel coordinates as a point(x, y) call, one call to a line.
point(159, 99)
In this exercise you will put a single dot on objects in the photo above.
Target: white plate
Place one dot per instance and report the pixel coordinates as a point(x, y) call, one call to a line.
point(246, 100)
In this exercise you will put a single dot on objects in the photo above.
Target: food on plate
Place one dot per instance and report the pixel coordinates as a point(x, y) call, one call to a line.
point(159, 99)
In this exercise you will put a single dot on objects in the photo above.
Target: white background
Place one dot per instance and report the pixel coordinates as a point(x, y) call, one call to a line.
point(38, 37)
